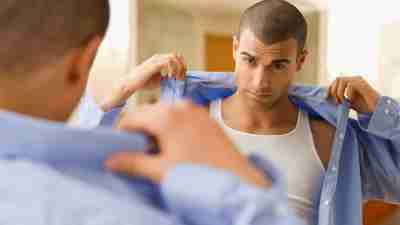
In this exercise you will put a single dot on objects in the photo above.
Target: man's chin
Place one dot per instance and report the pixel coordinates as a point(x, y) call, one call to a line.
point(264, 102)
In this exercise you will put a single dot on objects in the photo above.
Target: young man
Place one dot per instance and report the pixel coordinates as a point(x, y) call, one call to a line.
point(332, 162)
point(51, 174)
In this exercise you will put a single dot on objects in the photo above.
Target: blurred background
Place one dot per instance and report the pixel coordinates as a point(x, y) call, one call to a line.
point(351, 37)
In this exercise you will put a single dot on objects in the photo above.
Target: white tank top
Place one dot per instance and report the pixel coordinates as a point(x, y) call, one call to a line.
point(293, 153)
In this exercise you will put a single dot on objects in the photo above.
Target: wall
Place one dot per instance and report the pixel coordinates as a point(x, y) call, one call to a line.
point(163, 29)
point(117, 52)
point(389, 64)
point(311, 71)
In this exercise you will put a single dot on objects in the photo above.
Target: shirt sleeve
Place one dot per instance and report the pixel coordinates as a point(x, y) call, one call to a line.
point(385, 121)
point(36, 194)
point(202, 195)
point(379, 138)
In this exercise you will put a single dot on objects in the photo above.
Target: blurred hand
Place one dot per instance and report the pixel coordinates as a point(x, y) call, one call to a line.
point(184, 134)
point(146, 75)
point(361, 95)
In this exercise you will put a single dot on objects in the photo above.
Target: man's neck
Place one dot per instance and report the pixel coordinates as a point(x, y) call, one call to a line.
point(23, 106)
point(256, 118)
point(33, 102)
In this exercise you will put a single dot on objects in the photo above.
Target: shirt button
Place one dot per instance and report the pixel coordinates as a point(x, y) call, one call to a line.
point(341, 136)
point(387, 111)
point(327, 202)
point(334, 169)
point(389, 102)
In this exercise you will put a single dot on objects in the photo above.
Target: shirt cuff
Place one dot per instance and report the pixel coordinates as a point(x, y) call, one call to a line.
point(384, 119)
point(111, 116)
point(171, 90)
point(197, 193)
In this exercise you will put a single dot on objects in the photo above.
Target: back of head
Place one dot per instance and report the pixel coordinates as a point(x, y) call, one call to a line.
point(36, 33)
point(274, 21)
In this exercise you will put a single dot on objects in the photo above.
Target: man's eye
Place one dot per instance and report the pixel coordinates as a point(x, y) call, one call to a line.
point(279, 66)
point(249, 60)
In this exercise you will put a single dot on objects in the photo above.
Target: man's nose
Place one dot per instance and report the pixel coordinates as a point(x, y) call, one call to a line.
point(261, 78)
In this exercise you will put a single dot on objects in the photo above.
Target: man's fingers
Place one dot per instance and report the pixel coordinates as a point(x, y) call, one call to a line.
point(338, 89)
point(177, 65)
point(171, 67)
point(341, 89)
point(333, 91)
point(140, 120)
point(152, 119)
point(184, 66)
point(136, 164)
point(183, 69)
point(350, 92)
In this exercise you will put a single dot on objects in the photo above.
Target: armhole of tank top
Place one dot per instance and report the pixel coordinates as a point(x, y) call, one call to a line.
point(307, 123)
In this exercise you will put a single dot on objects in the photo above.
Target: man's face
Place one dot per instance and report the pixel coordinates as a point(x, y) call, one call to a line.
point(265, 72)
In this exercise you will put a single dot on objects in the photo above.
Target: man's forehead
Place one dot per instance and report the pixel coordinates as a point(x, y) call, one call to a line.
point(250, 44)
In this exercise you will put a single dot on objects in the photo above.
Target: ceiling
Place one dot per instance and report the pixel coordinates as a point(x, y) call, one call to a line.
point(228, 6)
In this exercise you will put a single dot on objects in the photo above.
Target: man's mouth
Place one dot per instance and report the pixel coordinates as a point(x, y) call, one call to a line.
point(260, 94)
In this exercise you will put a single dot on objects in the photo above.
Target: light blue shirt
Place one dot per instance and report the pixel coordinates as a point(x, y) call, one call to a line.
point(53, 175)
point(365, 158)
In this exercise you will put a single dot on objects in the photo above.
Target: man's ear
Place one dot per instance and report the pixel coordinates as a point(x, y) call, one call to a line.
point(83, 60)
point(235, 45)
point(301, 59)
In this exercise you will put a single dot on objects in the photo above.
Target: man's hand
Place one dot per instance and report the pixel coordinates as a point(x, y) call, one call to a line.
point(146, 75)
point(362, 97)
point(184, 134)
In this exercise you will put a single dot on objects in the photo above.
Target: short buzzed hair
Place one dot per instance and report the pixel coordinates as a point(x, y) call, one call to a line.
point(274, 21)
point(34, 33)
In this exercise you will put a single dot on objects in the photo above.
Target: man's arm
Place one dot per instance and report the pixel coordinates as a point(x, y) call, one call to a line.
point(147, 75)
point(378, 136)
point(218, 200)
point(35, 194)
point(204, 179)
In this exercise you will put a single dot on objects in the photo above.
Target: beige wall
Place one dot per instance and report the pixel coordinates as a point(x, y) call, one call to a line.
point(311, 71)
point(389, 65)
point(164, 29)
point(118, 51)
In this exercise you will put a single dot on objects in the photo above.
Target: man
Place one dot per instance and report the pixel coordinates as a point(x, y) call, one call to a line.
point(332, 162)
point(52, 174)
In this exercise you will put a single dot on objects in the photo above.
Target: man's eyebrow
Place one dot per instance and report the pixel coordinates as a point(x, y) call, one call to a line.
point(248, 54)
point(276, 61)
point(287, 61)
